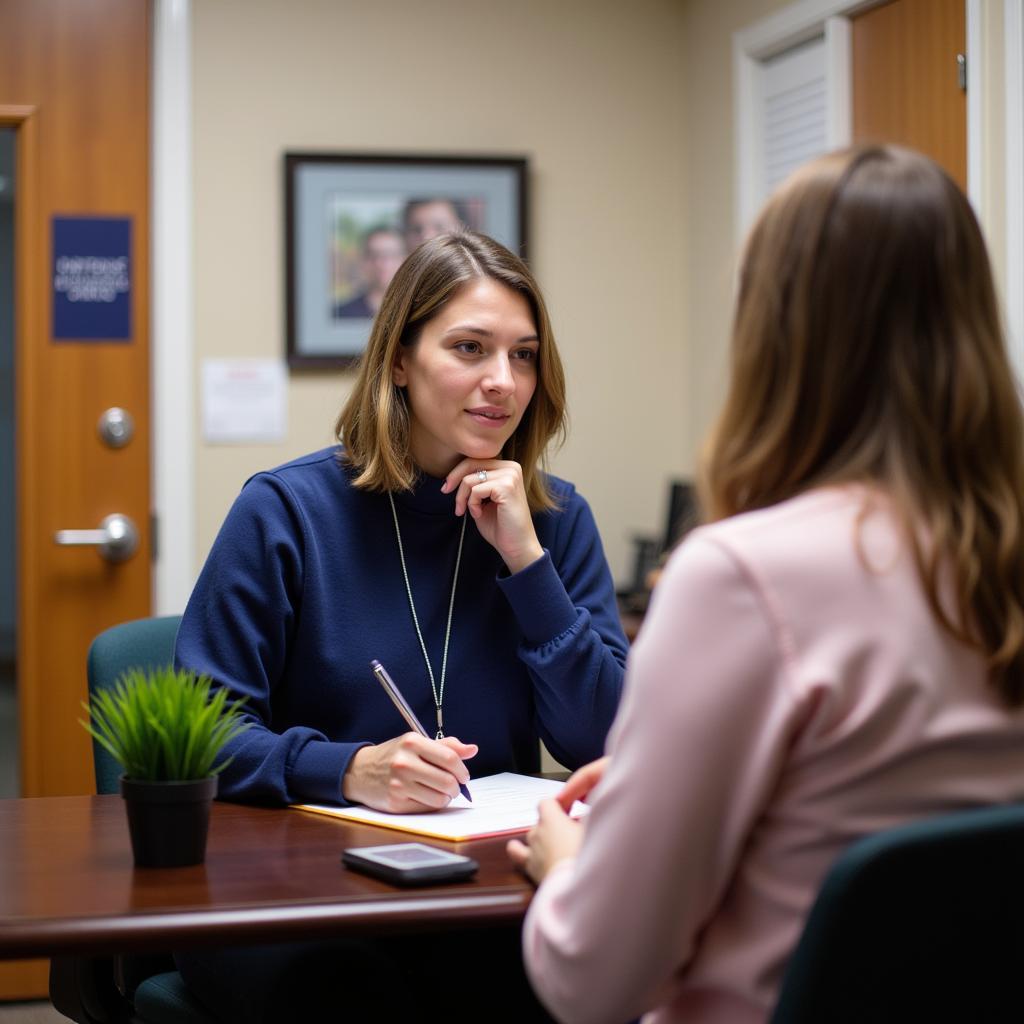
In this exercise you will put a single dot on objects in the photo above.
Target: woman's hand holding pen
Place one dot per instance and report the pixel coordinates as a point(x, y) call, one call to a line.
point(492, 492)
point(408, 774)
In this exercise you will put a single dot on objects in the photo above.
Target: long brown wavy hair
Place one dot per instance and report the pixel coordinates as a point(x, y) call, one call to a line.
point(374, 424)
point(867, 346)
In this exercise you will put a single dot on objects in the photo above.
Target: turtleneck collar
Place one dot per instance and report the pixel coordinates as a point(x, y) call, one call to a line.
point(426, 497)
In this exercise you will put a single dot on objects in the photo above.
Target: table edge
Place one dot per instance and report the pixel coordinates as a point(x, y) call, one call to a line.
point(239, 925)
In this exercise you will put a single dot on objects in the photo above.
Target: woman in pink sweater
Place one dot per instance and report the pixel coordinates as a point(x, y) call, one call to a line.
point(842, 648)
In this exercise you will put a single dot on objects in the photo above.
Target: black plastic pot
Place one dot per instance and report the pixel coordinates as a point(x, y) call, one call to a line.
point(168, 821)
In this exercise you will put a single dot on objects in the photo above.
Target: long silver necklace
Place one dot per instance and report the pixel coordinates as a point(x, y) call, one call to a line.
point(437, 691)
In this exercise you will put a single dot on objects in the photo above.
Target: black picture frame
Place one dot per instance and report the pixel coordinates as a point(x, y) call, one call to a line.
point(351, 217)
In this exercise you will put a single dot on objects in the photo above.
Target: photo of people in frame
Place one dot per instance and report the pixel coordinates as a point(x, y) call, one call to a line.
point(352, 218)
point(370, 238)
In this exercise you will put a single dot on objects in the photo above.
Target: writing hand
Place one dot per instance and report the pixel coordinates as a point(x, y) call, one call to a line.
point(498, 506)
point(554, 838)
point(408, 774)
point(581, 782)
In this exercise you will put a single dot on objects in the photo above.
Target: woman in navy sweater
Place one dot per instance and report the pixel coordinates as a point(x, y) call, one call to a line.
point(430, 540)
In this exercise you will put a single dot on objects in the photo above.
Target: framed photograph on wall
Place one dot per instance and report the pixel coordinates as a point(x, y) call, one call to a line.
point(350, 220)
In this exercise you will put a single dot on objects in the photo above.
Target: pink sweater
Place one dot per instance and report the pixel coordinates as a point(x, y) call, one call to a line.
point(782, 699)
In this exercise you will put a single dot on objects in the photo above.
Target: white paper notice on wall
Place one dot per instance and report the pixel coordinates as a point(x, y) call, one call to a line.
point(244, 401)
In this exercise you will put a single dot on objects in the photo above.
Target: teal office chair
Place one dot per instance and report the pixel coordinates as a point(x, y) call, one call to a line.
point(919, 923)
point(129, 989)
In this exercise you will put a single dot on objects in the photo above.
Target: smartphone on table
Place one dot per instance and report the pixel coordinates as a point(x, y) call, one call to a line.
point(410, 863)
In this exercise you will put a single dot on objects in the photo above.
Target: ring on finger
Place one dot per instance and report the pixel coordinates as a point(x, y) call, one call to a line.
point(481, 475)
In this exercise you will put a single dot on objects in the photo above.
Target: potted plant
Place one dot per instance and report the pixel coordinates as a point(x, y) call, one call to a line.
point(166, 731)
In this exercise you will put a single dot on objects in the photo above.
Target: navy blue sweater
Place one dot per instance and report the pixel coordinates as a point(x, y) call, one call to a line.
point(303, 587)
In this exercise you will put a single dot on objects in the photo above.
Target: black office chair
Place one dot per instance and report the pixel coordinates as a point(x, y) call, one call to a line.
point(129, 989)
point(919, 923)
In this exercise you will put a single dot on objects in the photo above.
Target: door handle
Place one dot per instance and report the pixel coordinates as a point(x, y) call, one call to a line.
point(117, 538)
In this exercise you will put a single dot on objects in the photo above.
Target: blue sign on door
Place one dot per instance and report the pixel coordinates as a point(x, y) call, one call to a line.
point(92, 278)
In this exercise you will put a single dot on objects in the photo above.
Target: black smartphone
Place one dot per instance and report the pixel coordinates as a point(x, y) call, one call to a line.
point(410, 863)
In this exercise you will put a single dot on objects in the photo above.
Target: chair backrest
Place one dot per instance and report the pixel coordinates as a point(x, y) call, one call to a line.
point(143, 643)
point(919, 923)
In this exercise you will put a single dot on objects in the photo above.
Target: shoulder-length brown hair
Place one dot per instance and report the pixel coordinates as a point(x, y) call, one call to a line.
point(867, 346)
point(374, 424)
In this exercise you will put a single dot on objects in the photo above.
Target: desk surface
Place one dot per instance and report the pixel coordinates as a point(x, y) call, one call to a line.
point(67, 883)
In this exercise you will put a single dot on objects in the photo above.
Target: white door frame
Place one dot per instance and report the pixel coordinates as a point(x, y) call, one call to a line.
point(1013, 29)
point(805, 20)
point(172, 387)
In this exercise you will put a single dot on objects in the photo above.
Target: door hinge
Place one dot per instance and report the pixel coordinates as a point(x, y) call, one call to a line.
point(961, 71)
point(154, 537)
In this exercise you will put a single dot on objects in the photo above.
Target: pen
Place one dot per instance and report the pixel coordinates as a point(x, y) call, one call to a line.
point(403, 708)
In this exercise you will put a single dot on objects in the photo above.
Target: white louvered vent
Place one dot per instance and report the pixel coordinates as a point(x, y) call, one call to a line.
point(793, 93)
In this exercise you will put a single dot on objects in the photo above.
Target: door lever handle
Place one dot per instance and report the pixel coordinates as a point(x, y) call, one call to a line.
point(117, 538)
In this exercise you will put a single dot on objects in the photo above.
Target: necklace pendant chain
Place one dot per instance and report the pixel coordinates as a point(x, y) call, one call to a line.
point(437, 691)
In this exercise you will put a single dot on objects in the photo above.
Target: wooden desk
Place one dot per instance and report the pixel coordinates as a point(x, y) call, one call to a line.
point(67, 884)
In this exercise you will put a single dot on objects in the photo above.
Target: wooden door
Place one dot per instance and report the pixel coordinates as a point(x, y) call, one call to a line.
point(74, 84)
point(906, 87)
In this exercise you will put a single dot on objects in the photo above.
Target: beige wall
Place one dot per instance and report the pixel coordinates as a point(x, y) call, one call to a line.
point(592, 91)
point(626, 113)
point(710, 205)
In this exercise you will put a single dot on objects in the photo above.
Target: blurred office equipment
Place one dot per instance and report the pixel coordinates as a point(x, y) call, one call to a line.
point(649, 553)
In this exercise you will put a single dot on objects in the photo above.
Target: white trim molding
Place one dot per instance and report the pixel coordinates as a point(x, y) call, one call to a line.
point(975, 105)
point(794, 24)
point(171, 384)
point(838, 82)
point(1013, 28)
point(748, 154)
